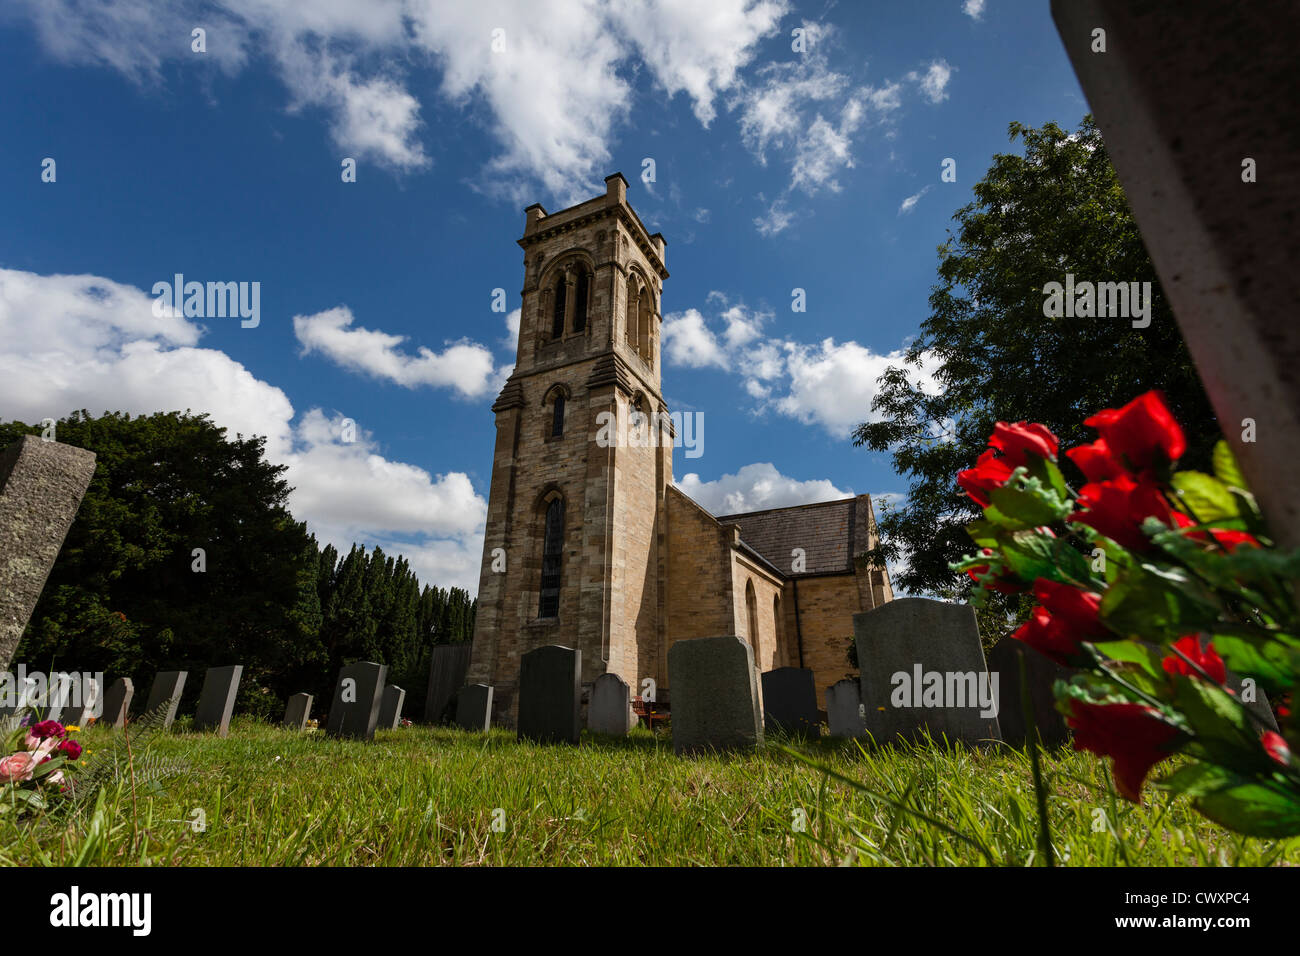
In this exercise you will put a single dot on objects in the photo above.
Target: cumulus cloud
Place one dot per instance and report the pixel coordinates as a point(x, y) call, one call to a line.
point(908, 204)
point(973, 8)
point(757, 487)
point(464, 366)
point(84, 341)
point(688, 342)
point(933, 82)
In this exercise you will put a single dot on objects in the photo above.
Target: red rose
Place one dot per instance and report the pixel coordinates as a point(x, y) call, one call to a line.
point(71, 749)
point(1096, 461)
point(1117, 508)
point(1136, 432)
point(1206, 659)
point(1067, 617)
point(1226, 538)
point(1275, 746)
point(1048, 636)
point(989, 472)
point(1014, 441)
point(1004, 583)
point(1134, 735)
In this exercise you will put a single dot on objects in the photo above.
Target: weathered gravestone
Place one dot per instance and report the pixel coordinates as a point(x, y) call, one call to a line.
point(41, 486)
point(1042, 673)
point(354, 710)
point(117, 702)
point(844, 709)
point(217, 698)
point(19, 691)
point(390, 707)
point(474, 707)
point(714, 695)
point(167, 689)
point(86, 703)
point(61, 693)
point(790, 702)
point(550, 694)
point(923, 668)
point(610, 708)
point(448, 666)
point(297, 711)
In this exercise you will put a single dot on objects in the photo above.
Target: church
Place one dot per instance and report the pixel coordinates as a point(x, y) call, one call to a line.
point(588, 542)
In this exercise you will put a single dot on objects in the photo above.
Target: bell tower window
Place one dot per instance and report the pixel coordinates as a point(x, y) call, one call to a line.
point(557, 318)
point(557, 416)
point(582, 294)
point(552, 542)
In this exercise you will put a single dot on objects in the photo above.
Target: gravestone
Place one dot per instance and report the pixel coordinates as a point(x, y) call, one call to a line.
point(448, 666)
point(1042, 673)
point(91, 700)
point(550, 694)
point(474, 707)
point(390, 707)
point(167, 689)
point(217, 698)
point(714, 695)
point(790, 702)
point(60, 694)
point(844, 709)
point(41, 486)
point(297, 711)
point(21, 691)
point(354, 709)
point(923, 668)
point(117, 702)
point(610, 709)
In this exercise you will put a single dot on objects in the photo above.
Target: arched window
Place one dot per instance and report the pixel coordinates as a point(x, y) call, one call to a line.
point(580, 301)
point(751, 613)
point(778, 629)
point(632, 303)
point(557, 319)
point(557, 416)
point(552, 543)
point(643, 324)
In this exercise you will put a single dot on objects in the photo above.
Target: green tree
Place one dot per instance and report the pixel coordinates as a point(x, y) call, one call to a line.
point(1055, 210)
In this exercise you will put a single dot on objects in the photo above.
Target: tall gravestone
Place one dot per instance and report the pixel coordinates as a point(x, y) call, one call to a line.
point(790, 702)
point(1042, 674)
point(550, 694)
point(217, 698)
point(474, 707)
point(61, 693)
point(923, 668)
point(610, 708)
point(297, 711)
point(844, 709)
point(714, 695)
point(448, 665)
point(20, 691)
point(41, 487)
point(87, 702)
point(390, 707)
point(167, 689)
point(117, 702)
point(354, 709)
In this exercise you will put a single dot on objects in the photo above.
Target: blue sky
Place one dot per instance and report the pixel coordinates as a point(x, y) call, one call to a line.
point(773, 170)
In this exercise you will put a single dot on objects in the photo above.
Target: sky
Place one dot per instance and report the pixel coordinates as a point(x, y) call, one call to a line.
point(778, 146)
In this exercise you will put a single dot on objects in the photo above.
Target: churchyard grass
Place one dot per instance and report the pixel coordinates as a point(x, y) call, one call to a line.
point(429, 796)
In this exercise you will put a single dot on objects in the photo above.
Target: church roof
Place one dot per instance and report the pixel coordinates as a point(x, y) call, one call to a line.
point(827, 532)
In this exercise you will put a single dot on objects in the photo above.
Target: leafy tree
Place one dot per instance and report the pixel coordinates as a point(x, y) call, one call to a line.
point(1055, 210)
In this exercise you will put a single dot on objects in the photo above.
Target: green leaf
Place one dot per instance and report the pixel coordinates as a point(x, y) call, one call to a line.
point(1272, 663)
point(1147, 605)
point(1225, 466)
point(1208, 498)
point(1132, 652)
point(1253, 809)
point(984, 533)
point(1023, 508)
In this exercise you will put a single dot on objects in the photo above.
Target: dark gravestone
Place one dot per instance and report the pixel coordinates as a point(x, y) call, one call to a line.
point(1042, 673)
point(447, 669)
point(714, 695)
point(117, 702)
point(923, 668)
point(390, 707)
point(790, 702)
point(297, 711)
point(167, 689)
point(844, 709)
point(217, 698)
point(474, 707)
point(41, 486)
point(610, 709)
point(354, 710)
point(550, 694)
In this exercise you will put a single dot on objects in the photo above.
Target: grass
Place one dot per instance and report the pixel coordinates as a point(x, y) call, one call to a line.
point(429, 796)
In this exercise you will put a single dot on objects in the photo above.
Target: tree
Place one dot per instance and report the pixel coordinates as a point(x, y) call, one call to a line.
point(994, 355)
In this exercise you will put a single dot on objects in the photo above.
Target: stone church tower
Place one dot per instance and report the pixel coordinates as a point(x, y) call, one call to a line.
point(574, 551)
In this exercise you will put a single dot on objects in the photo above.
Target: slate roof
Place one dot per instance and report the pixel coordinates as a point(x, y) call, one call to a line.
point(825, 530)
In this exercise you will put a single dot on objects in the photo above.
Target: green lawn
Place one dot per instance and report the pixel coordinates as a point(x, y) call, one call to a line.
point(425, 796)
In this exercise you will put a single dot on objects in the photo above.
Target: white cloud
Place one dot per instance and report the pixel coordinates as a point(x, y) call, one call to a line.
point(777, 219)
point(757, 487)
point(512, 329)
point(464, 366)
point(908, 204)
point(934, 81)
point(688, 342)
point(973, 8)
point(72, 342)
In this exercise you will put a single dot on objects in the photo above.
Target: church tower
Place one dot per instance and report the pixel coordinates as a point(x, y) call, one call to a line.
point(575, 551)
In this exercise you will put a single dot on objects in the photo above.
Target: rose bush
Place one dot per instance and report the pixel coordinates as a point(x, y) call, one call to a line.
point(1154, 583)
point(36, 759)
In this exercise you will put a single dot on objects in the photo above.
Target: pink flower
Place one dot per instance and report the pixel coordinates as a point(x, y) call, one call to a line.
point(17, 767)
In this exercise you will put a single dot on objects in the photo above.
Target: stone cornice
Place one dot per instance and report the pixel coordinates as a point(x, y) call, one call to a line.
point(620, 212)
